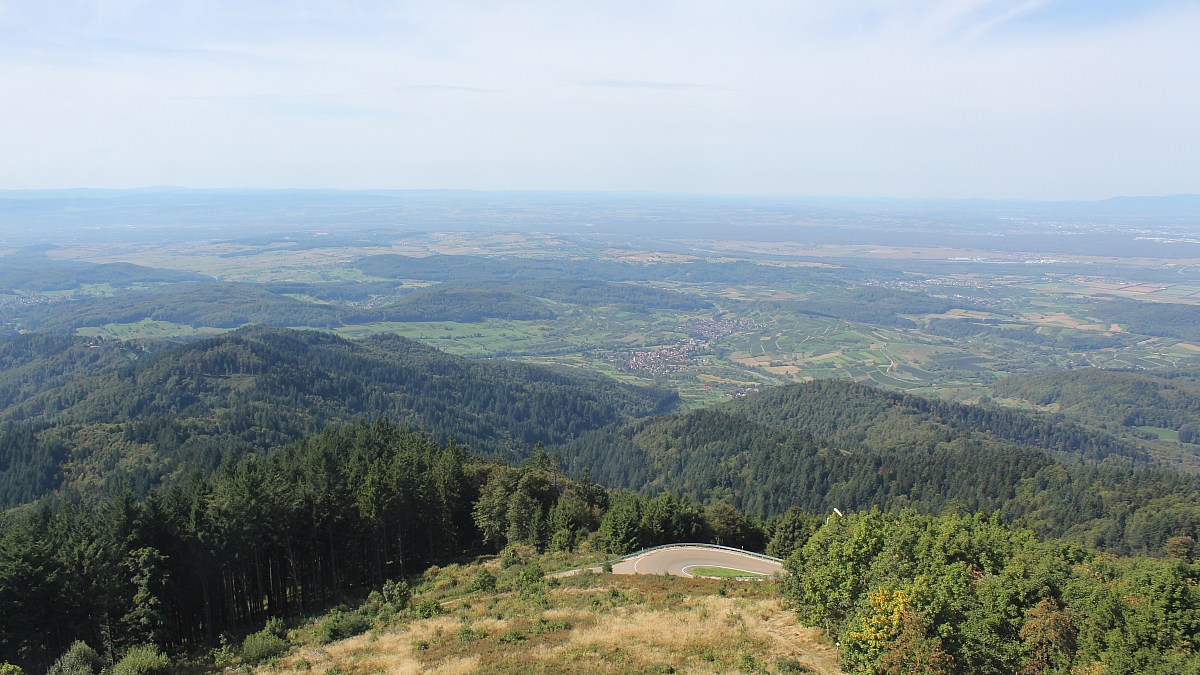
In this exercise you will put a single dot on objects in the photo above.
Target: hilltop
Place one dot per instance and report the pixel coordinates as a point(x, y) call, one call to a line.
point(593, 623)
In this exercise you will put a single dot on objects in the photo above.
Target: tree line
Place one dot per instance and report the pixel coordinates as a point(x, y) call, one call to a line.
point(829, 444)
point(191, 406)
point(289, 532)
point(1122, 398)
point(959, 593)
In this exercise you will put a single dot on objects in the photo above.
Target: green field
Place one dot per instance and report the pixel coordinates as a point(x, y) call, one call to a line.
point(1160, 433)
point(769, 335)
point(721, 572)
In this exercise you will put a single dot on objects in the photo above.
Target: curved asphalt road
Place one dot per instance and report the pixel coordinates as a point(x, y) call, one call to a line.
point(679, 561)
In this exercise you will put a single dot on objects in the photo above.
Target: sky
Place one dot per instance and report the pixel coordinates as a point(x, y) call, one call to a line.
point(1027, 99)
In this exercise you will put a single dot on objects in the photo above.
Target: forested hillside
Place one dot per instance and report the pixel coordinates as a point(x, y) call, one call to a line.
point(906, 593)
point(471, 294)
point(287, 532)
point(30, 269)
point(224, 305)
point(33, 363)
point(1115, 398)
point(124, 421)
point(1152, 318)
point(872, 305)
point(831, 444)
point(371, 505)
point(448, 302)
point(467, 268)
point(173, 494)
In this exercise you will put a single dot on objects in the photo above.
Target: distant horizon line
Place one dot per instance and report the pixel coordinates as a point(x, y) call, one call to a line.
point(541, 191)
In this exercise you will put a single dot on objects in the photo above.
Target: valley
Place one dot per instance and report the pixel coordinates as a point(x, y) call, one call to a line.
point(254, 449)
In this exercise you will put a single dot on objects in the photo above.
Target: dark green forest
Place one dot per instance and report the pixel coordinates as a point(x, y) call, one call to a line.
point(30, 269)
point(169, 495)
point(872, 305)
point(288, 532)
point(135, 421)
point(1169, 400)
point(192, 300)
point(359, 506)
point(449, 302)
point(1059, 338)
point(1152, 318)
point(960, 593)
point(829, 444)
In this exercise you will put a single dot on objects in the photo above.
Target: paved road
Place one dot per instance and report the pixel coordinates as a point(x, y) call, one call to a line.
point(679, 561)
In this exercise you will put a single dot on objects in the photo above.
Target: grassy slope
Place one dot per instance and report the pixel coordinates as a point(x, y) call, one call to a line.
point(585, 624)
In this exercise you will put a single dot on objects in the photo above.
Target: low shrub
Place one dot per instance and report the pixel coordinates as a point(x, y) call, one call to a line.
point(339, 625)
point(79, 659)
point(484, 581)
point(144, 660)
point(468, 634)
point(510, 557)
point(398, 594)
point(223, 654)
point(531, 576)
point(276, 627)
point(427, 608)
point(545, 625)
point(512, 636)
point(262, 646)
point(791, 667)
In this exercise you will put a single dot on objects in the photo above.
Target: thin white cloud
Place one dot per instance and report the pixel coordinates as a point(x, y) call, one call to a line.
point(445, 88)
point(643, 84)
point(1022, 98)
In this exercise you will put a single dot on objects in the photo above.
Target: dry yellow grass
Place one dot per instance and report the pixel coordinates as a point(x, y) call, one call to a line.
point(590, 624)
point(1066, 321)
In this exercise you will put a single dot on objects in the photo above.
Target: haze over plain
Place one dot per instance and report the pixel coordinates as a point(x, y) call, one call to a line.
point(1057, 99)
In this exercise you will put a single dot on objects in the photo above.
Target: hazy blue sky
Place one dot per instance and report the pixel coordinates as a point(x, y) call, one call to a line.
point(957, 98)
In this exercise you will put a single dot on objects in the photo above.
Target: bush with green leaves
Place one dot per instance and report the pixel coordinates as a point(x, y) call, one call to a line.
point(275, 626)
point(79, 659)
point(398, 594)
point(530, 577)
point(339, 625)
point(10, 669)
point(262, 646)
point(485, 581)
point(788, 666)
point(510, 557)
point(143, 660)
point(427, 608)
point(223, 654)
point(468, 634)
point(512, 636)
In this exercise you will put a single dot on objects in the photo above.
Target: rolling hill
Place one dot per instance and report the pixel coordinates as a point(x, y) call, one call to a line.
point(133, 421)
point(827, 444)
